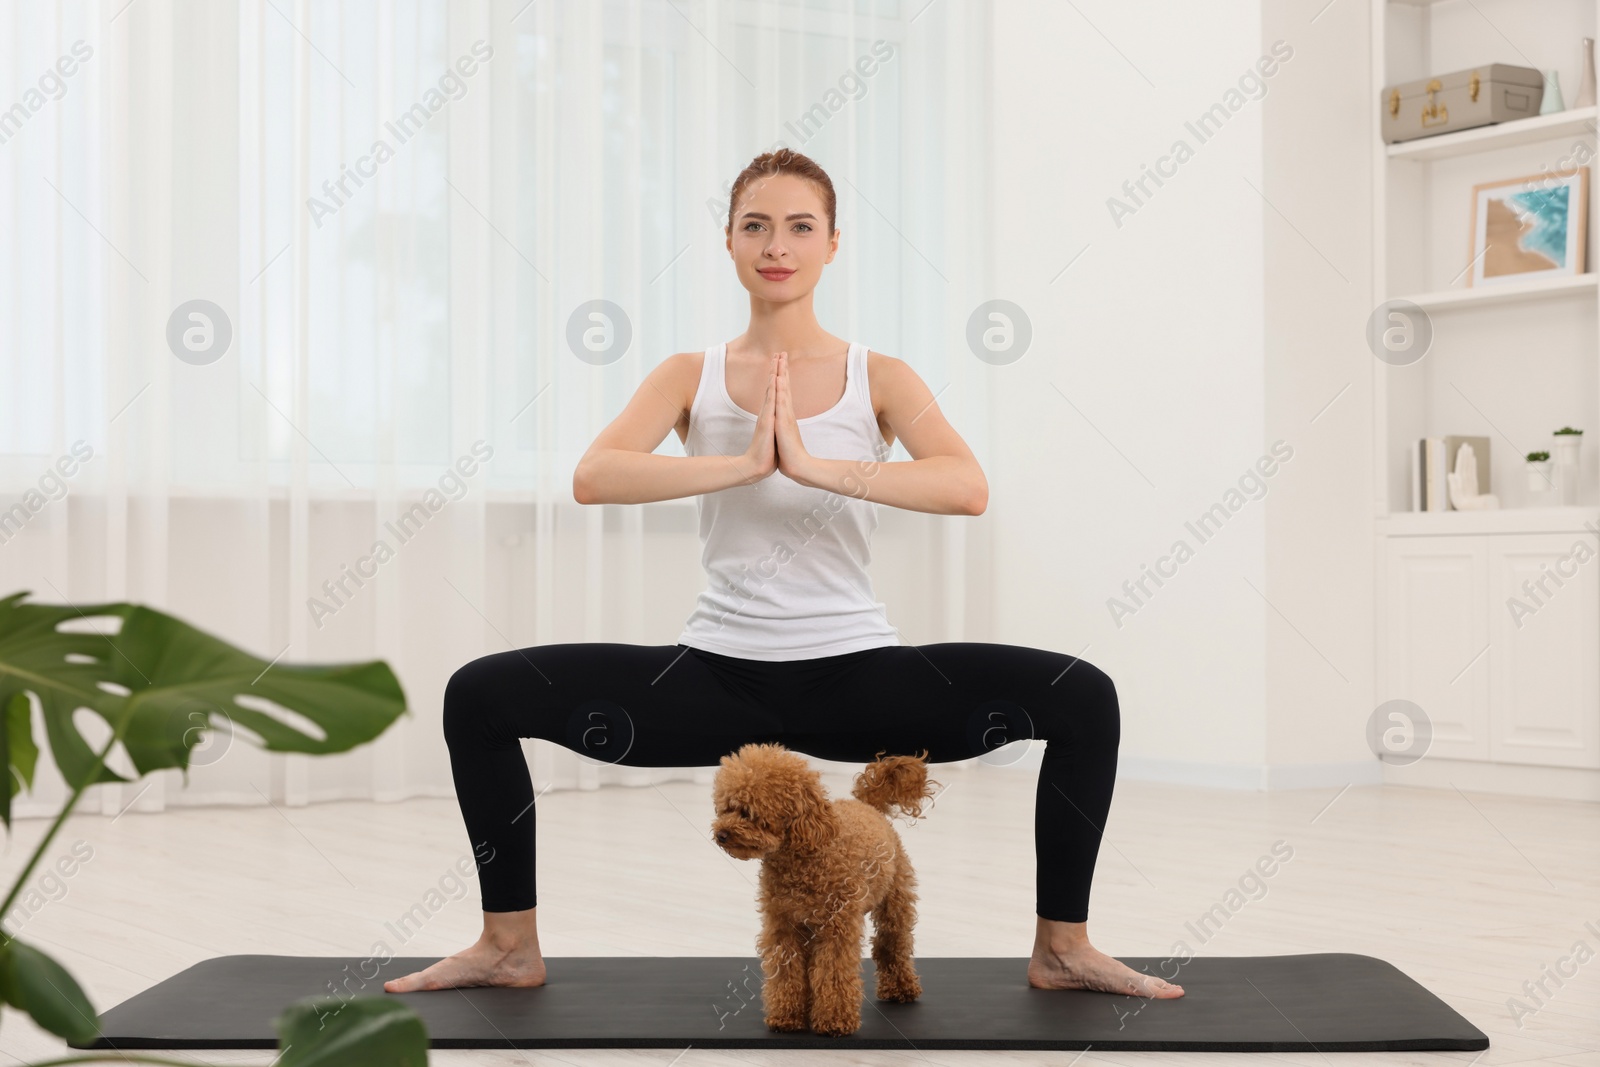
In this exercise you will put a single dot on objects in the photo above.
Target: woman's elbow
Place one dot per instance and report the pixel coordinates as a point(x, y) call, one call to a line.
point(978, 498)
point(582, 487)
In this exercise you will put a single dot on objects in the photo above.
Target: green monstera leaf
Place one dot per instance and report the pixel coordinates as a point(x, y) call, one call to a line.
point(364, 1032)
point(161, 685)
point(62, 669)
point(40, 986)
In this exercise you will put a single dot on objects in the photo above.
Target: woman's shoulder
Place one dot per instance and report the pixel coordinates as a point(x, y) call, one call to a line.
point(888, 375)
point(679, 374)
point(882, 362)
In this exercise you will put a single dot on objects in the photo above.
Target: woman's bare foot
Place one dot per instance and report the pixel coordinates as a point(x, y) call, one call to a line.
point(1064, 959)
point(507, 954)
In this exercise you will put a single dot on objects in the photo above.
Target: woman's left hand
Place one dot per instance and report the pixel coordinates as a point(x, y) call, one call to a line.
point(793, 459)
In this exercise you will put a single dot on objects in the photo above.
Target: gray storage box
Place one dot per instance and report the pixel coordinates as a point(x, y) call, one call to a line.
point(1459, 101)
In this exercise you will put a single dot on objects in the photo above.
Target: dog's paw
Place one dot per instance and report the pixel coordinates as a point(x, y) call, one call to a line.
point(786, 1023)
point(836, 1025)
point(898, 981)
point(902, 992)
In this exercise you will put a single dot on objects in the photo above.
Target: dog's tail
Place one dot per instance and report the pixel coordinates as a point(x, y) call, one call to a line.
point(896, 782)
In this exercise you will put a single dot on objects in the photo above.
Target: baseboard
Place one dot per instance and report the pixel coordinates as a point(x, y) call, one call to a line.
point(1517, 779)
point(1557, 783)
point(1026, 756)
point(1250, 776)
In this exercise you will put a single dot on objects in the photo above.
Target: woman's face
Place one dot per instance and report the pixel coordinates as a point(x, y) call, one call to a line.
point(780, 237)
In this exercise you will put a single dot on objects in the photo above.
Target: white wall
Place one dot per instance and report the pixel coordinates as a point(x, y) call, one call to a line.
point(1170, 356)
point(1319, 120)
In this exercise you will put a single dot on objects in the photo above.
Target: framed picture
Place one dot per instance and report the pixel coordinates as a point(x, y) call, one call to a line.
point(1529, 227)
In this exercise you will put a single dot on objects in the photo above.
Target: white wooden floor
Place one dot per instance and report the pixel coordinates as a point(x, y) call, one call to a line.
point(1471, 894)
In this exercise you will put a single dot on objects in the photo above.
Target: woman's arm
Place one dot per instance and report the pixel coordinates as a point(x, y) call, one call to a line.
point(621, 466)
point(943, 477)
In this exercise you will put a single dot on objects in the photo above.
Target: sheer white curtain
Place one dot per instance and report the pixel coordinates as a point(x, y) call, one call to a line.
point(401, 220)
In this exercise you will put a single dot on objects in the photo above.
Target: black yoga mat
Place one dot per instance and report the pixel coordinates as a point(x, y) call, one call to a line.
point(1326, 1002)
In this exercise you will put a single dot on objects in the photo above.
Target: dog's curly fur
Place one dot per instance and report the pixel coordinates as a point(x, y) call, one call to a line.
point(825, 865)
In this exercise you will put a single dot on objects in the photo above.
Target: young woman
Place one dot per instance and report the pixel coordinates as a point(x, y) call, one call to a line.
point(786, 644)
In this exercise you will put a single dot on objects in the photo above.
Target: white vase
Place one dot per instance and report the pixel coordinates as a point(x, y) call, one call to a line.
point(1567, 482)
point(1538, 475)
point(1552, 101)
point(1566, 461)
point(1586, 84)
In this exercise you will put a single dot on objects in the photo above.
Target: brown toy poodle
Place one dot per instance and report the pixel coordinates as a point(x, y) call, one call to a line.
point(825, 865)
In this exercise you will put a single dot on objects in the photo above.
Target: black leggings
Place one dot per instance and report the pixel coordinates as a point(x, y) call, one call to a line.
point(676, 706)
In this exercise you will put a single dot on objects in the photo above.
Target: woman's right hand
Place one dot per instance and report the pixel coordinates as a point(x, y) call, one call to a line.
point(762, 456)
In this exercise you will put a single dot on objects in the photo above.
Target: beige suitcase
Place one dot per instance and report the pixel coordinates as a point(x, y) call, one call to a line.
point(1461, 100)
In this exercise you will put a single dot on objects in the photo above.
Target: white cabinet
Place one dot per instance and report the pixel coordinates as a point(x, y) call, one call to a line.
point(1544, 621)
point(1438, 627)
point(1497, 638)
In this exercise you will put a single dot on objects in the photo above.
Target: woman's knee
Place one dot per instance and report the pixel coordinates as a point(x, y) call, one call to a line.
point(1091, 705)
point(467, 707)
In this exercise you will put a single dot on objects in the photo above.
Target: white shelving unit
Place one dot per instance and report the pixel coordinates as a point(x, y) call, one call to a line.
point(1513, 692)
point(1499, 349)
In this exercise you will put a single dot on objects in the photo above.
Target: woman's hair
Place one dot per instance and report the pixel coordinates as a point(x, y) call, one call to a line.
point(785, 161)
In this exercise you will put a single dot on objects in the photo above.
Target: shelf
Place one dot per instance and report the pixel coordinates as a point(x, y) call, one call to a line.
point(1505, 293)
point(1493, 520)
point(1500, 135)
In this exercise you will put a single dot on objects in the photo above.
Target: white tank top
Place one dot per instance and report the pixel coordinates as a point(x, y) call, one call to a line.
point(786, 564)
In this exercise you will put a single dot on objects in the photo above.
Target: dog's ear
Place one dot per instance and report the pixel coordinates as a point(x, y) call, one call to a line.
point(814, 823)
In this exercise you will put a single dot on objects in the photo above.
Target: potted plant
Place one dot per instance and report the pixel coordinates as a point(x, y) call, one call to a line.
point(157, 682)
point(1567, 442)
point(1538, 472)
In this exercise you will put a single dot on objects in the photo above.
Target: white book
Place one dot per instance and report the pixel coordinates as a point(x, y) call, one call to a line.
point(1416, 475)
